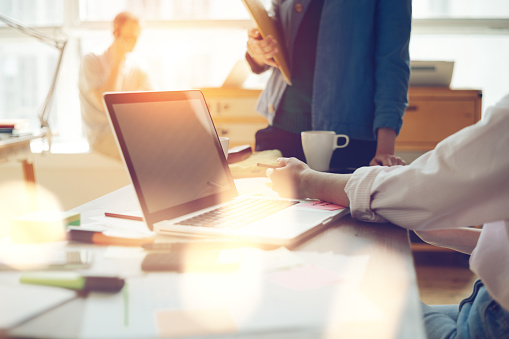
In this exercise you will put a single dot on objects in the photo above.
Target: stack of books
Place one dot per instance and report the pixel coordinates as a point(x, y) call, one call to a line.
point(13, 127)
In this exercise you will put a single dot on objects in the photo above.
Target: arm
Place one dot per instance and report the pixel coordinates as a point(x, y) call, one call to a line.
point(296, 180)
point(462, 240)
point(260, 52)
point(392, 71)
point(463, 182)
point(384, 156)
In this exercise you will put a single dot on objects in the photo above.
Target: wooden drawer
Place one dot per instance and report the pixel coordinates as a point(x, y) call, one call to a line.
point(232, 107)
point(433, 114)
point(426, 123)
point(239, 133)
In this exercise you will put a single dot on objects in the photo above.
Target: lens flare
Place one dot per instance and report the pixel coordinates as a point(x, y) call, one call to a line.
point(18, 203)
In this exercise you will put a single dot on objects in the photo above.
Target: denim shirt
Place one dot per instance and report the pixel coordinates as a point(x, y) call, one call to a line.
point(362, 64)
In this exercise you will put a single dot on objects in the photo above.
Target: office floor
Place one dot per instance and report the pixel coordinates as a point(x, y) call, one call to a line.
point(443, 278)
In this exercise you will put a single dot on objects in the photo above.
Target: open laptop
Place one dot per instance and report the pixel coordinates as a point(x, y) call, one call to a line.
point(238, 75)
point(431, 73)
point(179, 172)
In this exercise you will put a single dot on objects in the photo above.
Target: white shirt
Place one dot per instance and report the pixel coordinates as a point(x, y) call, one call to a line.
point(94, 72)
point(463, 182)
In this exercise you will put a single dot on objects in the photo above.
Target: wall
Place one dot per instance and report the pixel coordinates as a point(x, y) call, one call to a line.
point(74, 179)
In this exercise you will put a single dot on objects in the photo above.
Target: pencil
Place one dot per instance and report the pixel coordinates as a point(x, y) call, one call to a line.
point(268, 166)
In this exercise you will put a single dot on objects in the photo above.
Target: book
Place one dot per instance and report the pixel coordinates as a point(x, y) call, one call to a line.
point(14, 124)
point(267, 26)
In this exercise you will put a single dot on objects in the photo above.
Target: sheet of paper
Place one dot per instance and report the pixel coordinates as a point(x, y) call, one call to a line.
point(305, 278)
point(125, 227)
point(253, 259)
point(19, 302)
point(254, 303)
point(193, 322)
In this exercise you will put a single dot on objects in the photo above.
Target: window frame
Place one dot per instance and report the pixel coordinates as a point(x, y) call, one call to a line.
point(74, 28)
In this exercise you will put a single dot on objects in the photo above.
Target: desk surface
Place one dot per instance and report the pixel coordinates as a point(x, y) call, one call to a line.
point(384, 303)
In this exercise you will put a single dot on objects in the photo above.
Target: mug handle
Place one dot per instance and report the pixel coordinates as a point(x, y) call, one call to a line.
point(336, 137)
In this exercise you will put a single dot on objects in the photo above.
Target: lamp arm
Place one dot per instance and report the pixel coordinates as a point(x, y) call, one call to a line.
point(57, 43)
point(54, 42)
point(45, 108)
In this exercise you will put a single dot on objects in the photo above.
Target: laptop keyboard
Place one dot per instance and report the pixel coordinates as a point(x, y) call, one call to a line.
point(238, 213)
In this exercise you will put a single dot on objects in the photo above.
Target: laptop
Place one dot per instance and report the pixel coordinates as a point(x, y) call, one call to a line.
point(431, 73)
point(238, 75)
point(181, 177)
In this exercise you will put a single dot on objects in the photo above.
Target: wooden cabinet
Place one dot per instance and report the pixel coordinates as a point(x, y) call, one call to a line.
point(234, 115)
point(435, 113)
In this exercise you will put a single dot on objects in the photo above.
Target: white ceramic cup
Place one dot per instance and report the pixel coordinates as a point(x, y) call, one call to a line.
point(318, 147)
point(225, 142)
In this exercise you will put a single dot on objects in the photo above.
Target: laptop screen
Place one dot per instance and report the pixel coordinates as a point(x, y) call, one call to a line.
point(172, 151)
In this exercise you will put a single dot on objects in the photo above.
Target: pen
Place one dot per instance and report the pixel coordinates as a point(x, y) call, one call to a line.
point(99, 238)
point(73, 281)
point(268, 166)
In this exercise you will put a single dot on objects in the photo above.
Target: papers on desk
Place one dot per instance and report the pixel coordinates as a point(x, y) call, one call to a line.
point(19, 303)
point(173, 305)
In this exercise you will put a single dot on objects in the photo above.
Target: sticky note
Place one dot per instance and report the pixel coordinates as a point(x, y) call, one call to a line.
point(305, 278)
point(41, 226)
point(193, 322)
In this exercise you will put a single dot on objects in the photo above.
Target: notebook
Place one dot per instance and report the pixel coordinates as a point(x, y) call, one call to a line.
point(178, 169)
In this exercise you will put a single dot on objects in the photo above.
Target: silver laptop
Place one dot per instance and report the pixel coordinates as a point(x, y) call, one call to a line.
point(182, 179)
point(238, 75)
point(431, 73)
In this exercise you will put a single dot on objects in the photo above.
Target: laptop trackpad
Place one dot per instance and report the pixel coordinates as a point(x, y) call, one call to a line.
point(286, 224)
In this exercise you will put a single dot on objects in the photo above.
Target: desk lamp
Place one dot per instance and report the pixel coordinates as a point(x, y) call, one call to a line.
point(58, 43)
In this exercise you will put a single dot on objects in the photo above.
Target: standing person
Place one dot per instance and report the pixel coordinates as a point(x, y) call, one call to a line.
point(349, 62)
point(116, 69)
point(464, 181)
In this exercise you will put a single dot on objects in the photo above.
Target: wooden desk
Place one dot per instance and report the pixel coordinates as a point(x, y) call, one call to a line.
point(385, 302)
point(433, 114)
point(18, 148)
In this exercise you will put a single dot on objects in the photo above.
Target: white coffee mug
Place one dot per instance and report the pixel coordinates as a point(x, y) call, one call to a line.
point(225, 142)
point(318, 147)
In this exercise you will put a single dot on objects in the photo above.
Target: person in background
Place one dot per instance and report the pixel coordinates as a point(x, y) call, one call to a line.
point(116, 69)
point(464, 181)
point(349, 62)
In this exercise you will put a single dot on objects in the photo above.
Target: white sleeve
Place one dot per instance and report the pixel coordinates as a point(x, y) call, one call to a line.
point(463, 182)
point(92, 76)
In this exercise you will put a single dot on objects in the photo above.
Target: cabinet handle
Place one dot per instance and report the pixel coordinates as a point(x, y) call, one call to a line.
point(223, 132)
point(412, 108)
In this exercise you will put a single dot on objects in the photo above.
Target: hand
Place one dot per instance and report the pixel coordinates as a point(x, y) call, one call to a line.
point(262, 50)
point(288, 180)
point(385, 159)
point(119, 49)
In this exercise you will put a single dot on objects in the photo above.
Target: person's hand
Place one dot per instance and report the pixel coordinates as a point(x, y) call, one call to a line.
point(385, 159)
point(287, 181)
point(261, 50)
point(120, 48)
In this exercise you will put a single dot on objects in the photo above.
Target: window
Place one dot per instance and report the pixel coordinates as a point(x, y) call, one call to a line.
point(194, 43)
point(460, 9)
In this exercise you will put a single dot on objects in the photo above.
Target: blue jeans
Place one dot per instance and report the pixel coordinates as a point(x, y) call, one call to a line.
point(478, 316)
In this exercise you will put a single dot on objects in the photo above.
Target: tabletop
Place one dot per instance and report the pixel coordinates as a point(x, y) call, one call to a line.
point(373, 292)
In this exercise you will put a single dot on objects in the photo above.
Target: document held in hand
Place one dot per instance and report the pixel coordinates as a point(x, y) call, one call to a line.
point(267, 26)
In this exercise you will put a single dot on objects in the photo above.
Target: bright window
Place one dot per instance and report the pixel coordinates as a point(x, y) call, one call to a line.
point(195, 43)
